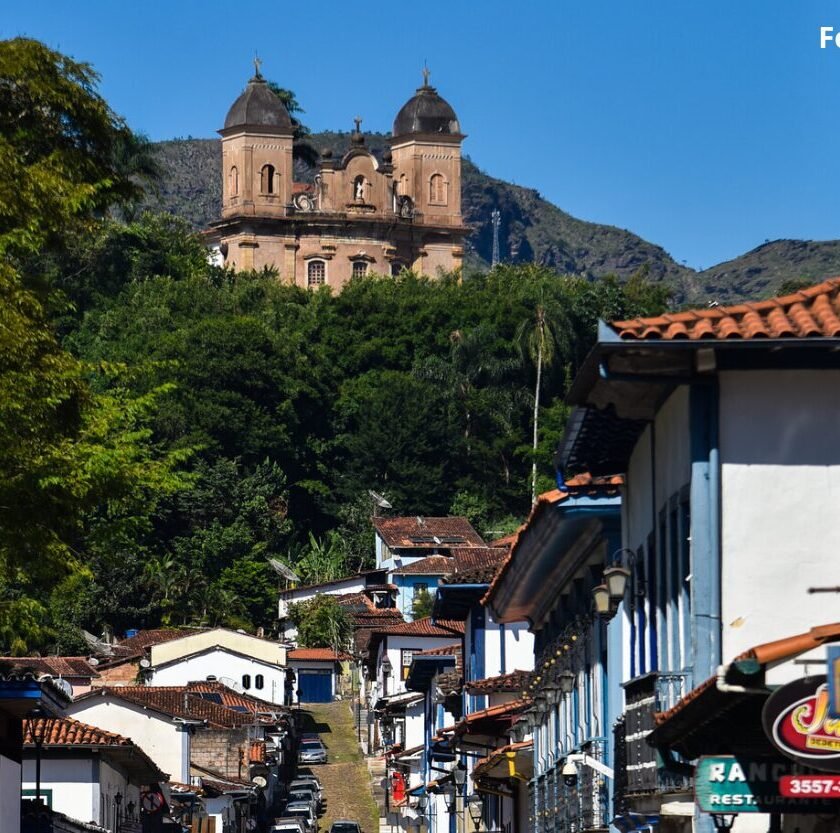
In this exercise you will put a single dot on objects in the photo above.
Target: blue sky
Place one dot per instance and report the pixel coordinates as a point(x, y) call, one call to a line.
point(706, 127)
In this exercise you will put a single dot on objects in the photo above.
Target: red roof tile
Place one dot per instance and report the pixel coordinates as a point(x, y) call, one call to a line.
point(420, 532)
point(324, 654)
point(503, 712)
point(187, 702)
point(809, 313)
point(424, 627)
point(65, 731)
point(58, 666)
point(516, 681)
point(439, 565)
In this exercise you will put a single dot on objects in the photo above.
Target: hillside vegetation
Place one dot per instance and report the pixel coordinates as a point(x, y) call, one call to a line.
point(533, 230)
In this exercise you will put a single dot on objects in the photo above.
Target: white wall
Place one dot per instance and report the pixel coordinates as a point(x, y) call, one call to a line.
point(519, 647)
point(414, 725)
point(74, 785)
point(9, 795)
point(673, 468)
point(780, 482)
point(158, 736)
point(352, 584)
point(220, 663)
point(396, 644)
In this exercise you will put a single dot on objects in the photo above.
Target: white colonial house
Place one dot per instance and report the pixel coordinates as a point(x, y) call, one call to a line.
point(88, 773)
point(241, 661)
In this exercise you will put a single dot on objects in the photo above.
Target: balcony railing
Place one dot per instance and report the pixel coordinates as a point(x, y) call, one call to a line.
point(579, 807)
point(645, 771)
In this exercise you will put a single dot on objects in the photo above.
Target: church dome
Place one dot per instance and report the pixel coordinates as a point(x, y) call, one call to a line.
point(426, 112)
point(258, 107)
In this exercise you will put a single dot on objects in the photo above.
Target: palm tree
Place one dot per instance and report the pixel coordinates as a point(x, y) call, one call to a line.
point(538, 339)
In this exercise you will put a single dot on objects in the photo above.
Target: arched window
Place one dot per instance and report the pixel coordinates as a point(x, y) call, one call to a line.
point(233, 182)
point(359, 188)
point(246, 681)
point(267, 179)
point(316, 273)
point(437, 190)
point(359, 268)
point(259, 681)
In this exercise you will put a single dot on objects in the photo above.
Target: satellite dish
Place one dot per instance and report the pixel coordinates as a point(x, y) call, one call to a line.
point(230, 683)
point(93, 661)
point(259, 781)
point(379, 500)
point(145, 663)
point(61, 683)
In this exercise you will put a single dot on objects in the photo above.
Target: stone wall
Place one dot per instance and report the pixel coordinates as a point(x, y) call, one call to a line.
point(221, 750)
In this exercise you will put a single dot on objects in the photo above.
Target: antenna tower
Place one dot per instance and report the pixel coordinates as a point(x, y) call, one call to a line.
point(496, 218)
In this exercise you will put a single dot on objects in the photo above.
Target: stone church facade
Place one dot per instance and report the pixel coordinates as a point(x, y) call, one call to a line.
point(362, 214)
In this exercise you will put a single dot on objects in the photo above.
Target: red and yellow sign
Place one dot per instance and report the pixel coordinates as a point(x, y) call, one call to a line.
point(797, 720)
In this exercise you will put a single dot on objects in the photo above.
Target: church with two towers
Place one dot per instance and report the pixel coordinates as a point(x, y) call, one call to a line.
point(362, 213)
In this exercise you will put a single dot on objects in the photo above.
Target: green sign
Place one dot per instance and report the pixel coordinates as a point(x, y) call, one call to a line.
point(729, 784)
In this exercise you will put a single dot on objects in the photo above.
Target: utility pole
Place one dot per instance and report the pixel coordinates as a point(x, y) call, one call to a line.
point(496, 219)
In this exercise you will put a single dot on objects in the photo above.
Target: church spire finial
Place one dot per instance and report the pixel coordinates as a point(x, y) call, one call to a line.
point(257, 65)
point(358, 122)
point(426, 74)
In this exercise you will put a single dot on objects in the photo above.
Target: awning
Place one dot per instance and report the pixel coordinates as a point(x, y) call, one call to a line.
point(401, 700)
point(722, 716)
point(516, 760)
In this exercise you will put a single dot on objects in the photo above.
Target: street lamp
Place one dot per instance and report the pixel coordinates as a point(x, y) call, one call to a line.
point(39, 728)
point(567, 682)
point(475, 805)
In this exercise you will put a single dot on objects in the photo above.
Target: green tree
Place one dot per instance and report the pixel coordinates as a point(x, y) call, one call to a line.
point(422, 604)
point(322, 623)
point(538, 340)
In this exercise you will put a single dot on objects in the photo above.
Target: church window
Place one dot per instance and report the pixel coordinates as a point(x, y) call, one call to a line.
point(267, 179)
point(437, 190)
point(316, 273)
point(359, 268)
point(234, 181)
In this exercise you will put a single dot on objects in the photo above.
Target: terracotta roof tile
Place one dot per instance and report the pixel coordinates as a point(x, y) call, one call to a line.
point(420, 532)
point(505, 711)
point(187, 702)
point(516, 681)
point(324, 654)
point(58, 666)
point(425, 627)
point(809, 313)
point(65, 731)
point(440, 565)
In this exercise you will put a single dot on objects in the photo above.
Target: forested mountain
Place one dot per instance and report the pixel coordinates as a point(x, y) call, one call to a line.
point(532, 230)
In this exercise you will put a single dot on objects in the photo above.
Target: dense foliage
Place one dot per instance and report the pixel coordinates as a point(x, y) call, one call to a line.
point(169, 427)
point(321, 623)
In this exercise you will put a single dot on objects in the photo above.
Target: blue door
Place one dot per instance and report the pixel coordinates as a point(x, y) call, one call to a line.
point(315, 686)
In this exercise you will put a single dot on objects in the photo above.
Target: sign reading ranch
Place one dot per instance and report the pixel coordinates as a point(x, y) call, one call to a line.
point(797, 721)
point(725, 784)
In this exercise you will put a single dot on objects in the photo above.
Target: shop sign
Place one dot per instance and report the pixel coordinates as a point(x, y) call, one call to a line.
point(726, 784)
point(833, 663)
point(797, 721)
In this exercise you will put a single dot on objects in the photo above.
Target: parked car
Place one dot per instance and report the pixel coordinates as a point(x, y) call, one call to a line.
point(289, 824)
point(312, 752)
point(345, 826)
point(303, 810)
point(307, 779)
point(303, 796)
point(312, 790)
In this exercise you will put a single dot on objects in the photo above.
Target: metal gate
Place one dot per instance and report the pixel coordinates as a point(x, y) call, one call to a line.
point(315, 686)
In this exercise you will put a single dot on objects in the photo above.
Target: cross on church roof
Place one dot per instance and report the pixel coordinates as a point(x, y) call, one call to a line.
point(257, 65)
point(358, 123)
point(426, 75)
